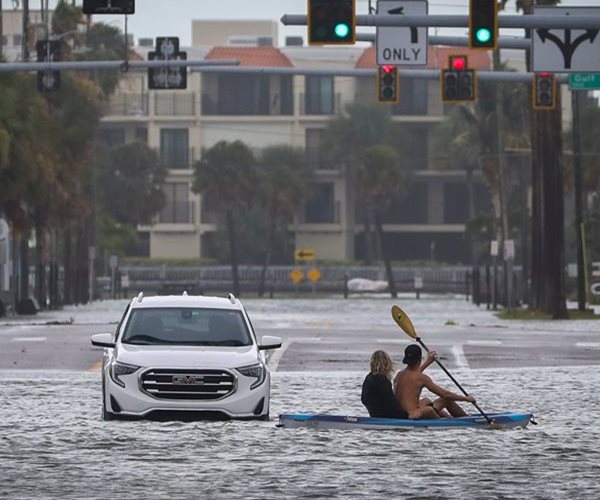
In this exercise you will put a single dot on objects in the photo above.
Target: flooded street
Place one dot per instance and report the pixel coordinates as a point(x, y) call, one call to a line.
point(54, 444)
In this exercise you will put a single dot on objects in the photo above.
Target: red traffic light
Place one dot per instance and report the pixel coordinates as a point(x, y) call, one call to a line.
point(387, 69)
point(459, 63)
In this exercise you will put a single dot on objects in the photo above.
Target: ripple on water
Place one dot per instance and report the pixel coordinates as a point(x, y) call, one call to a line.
point(54, 444)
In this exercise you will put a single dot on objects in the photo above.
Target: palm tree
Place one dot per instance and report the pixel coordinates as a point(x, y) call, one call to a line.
point(363, 140)
point(283, 186)
point(381, 177)
point(227, 171)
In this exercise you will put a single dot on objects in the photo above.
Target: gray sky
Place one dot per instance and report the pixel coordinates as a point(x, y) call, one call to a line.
point(174, 17)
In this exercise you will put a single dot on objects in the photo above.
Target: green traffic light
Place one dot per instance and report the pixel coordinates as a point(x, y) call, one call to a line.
point(341, 30)
point(483, 35)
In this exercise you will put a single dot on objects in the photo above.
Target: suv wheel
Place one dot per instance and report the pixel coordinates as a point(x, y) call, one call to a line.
point(106, 415)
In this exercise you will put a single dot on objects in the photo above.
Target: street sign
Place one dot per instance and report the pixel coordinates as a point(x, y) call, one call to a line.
point(313, 275)
point(509, 249)
point(565, 50)
point(296, 275)
point(584, 81)
point(401, 45)
point(418, 283)
point(305, 254)
point(494, 248)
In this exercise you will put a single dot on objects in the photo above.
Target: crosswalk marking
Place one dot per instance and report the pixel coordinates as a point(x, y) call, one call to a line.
point(459, 356)
point(594, 345)
point(28, 339)
point(484, 342)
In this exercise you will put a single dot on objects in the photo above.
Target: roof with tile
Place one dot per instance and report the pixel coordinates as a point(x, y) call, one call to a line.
point(251, 56)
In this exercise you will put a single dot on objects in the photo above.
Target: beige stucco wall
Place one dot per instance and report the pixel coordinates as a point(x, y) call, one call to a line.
point(219, 32)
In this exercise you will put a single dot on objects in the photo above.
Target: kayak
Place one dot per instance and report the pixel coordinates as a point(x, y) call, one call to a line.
point(325, 421)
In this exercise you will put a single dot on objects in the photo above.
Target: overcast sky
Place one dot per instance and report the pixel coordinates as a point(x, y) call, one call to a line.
point(174, 17)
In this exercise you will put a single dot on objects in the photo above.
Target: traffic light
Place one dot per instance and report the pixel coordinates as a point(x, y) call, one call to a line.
point(483, 24)
point(167, 48)
point(458, 81)
point(331, 22)
point(108, 6)
point(48, 50)
point(544, 91)
point(387, 84)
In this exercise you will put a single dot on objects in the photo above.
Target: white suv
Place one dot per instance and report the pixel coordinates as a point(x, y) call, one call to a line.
point(174, 354)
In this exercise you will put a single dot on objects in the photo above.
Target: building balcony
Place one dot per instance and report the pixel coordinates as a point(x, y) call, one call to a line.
point(128, 104)
point(176, 212)
point(177, 158)
point(175, 104)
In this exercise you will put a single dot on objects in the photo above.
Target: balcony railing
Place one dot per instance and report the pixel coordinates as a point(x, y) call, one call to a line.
point(177, 158)
point(316, 108)
point(127, 105)
point(176, 212)
point(211, 106)
point(331, 216)
point(175, 104)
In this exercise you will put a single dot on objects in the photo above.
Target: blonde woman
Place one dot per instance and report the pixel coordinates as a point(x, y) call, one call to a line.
point(377, 394)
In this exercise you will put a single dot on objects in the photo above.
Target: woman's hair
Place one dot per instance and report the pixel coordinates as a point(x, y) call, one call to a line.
point(381, 364)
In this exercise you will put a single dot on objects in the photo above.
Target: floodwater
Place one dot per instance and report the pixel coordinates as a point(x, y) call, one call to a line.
point(54, 444)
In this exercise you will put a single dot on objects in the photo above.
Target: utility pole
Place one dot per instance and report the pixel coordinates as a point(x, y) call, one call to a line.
point(25, 32)
point(577, 175)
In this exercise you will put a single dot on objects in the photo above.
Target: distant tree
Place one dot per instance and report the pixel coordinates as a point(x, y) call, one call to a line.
point(283, 185)
point(227, 171)
point(467, 139)
point(362, 140)
point(129, 182)
point(382, 177)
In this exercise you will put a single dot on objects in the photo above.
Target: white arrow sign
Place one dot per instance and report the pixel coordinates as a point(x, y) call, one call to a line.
point(566, 50)
point(401, 45)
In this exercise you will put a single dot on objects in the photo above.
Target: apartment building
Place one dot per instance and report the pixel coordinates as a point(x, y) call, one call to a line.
point(269, 109)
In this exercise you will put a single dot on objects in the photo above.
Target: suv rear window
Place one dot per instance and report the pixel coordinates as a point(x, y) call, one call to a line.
point(186, 326)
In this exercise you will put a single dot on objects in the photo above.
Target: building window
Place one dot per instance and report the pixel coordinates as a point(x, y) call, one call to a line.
point(112, 136)
point(17, 40)
point(320, 206)
point(456, 203)
point(313, 147)
point(177, 208)
point(174, 152)
point(4, 40)
point(141, 134)
point(243, 95)
point(319, 95)
point(408, 207)
point(413, 97)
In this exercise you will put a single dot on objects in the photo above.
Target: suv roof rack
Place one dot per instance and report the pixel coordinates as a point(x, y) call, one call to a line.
point(231, 298)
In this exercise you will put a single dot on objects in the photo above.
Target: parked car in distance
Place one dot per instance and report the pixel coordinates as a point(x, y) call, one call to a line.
point(193, 354)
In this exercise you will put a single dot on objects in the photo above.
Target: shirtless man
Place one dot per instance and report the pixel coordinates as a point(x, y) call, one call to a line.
point(409, 383)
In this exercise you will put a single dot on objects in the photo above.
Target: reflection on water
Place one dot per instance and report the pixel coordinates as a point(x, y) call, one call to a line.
point(54, 444)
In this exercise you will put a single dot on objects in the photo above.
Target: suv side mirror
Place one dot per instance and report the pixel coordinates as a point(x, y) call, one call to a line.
point(102, 340)
point(268, 342)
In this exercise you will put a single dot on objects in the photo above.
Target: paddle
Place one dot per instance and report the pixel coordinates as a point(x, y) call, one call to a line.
point(404, 322)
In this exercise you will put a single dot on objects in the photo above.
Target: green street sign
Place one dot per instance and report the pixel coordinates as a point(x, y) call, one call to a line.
point(584, 81)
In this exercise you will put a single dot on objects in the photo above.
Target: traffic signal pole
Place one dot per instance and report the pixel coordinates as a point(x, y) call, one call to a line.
point(449, 21)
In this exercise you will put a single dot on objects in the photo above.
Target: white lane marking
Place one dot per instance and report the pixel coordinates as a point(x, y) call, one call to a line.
point(459, 356)
point(28, 339)
point(484, 342)
point(595, 345)
point(274, 359)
